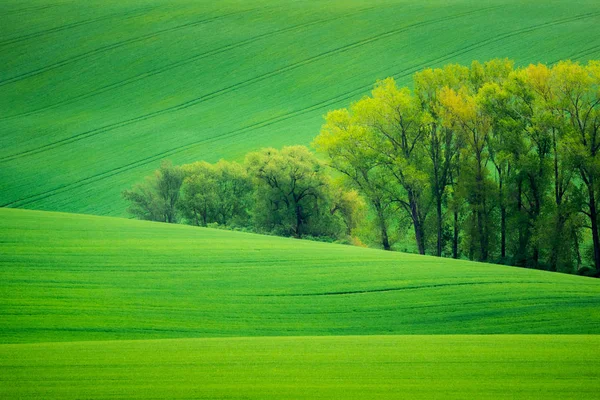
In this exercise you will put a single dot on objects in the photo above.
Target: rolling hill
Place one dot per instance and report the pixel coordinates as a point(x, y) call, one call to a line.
point(100, 307)
point(93, 97)
point(77, 278)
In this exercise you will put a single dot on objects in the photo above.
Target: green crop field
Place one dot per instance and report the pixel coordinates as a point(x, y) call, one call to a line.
point(334, 367)
point(93, 96)
point(97, 307)
point(71, 277)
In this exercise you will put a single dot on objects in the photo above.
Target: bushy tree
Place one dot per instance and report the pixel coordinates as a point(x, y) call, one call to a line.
point(383, 131)
point(293, 193)
point(216, 193)
point(346, 143)
point(157, 198)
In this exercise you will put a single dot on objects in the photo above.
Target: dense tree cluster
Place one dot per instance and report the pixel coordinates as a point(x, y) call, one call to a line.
point(287, 192)
point(486, 162)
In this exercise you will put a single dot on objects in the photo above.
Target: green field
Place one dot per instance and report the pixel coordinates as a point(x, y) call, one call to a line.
point(220, 314)
point(93, 97)
point(347, 367)
point(71, 277)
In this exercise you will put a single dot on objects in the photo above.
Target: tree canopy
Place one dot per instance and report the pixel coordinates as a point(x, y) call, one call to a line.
point(487, 162)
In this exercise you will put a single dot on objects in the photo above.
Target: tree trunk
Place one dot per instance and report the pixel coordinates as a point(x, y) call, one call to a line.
point(521, 257)
point(298, 211)
point(439, 225)
point(455, 236)
point(417, 223)
point(577, 250)
point(556, 240)
point(502, 217)
point(385, 242)
point(481, 233)
point(503, 233)
point(481, 209)
point(594, 221)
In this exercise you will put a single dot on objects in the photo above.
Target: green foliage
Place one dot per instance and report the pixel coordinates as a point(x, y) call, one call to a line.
point(219, 193)
point(509, 159)
point(157, 198)
point(287, 193)
point(291, 191)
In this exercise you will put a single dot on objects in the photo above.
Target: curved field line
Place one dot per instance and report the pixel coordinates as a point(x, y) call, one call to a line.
point(337, 99)
point(111, 46)
point(499, 38)
point(75, 25)
point(398, 289)
point(228, 89)
point(177, 64)
point(29, 9)
point(158, 156)
point(583, 53)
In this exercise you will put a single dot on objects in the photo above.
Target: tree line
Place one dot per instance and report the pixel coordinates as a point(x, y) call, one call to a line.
point(286, 192)
point(487, 162)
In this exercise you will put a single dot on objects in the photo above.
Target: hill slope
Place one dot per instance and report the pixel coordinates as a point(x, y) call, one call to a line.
point(72, 277)
point(93, 97)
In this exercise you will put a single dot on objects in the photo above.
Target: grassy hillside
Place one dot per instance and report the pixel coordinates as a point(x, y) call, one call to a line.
point(349, 367)
point(93, 97)
point(303, 320)
point(71, 277)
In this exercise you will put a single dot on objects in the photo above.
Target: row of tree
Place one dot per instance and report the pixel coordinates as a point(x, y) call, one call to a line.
point(487, 162)
point(287, 192)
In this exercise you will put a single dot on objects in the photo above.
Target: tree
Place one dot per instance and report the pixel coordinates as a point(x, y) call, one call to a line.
point(199, 196)
point(389, 162)
point(157, 198)
point(440, 141)
point(462, 112)
point(536, 94)
point(578, 98)
point(218, 193)
point(292, 195)
point(346, 143)
point(350, 205)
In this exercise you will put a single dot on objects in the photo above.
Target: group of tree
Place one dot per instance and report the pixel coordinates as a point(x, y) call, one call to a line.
point(488, 162)
point(286, 192)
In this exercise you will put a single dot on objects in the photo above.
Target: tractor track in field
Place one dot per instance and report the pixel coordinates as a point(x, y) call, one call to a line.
point(583, 53)
point(325, 103)
point(228, 89)
point(127, 15)
point(113, 46)
point(156, 157)
point(177, 64)
point(30, 9)
point(445, 306)
point(499, 38)
point(394, 289)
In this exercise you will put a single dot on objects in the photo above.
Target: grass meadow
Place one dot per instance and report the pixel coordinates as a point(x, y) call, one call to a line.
point(317, 367)
point(98, 307)
point(94, 95)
